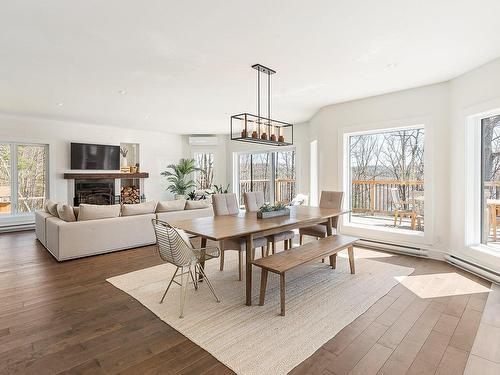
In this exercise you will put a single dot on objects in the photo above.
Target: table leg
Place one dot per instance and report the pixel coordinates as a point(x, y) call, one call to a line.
point(329, 230)
point(249, 270)
point(202, 260)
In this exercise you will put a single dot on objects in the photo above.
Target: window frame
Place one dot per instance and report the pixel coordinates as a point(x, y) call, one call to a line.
point(236, 168)
point(15, 214)
point(389, 235)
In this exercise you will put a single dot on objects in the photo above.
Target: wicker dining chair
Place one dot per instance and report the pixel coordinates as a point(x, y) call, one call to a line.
point(175, 247)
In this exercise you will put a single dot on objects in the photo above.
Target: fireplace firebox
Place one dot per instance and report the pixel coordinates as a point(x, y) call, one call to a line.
point(101, 191)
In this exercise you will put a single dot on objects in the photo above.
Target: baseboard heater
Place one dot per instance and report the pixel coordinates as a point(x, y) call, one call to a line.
point(476, 269)
point(394, 248)
point(16, 228)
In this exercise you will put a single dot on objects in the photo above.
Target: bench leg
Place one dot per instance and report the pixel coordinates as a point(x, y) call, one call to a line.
point(282, 293)
point(333, 261)
point(263, 285)
point(273, 248)
point(350, 251)
point(301, 239)
point(285, 244)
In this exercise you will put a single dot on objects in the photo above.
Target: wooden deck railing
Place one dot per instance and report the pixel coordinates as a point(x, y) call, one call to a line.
point(285, 189)
point(374, 196)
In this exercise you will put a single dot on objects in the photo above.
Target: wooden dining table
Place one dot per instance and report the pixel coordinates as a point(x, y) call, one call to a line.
point(247, 225)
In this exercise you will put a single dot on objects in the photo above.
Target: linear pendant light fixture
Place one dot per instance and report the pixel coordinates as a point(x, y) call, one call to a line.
point(247, 127)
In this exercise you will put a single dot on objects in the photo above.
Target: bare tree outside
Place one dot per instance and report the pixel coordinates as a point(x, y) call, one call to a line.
point(30, 177)
point(205, 177)
point(490, 134)
point(388, 166)
point(256, 174)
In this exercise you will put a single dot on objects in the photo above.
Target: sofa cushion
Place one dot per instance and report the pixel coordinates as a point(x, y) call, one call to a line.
point(139, 209)
point(51, 208)
point(66, 212)
point(196, 205)
point(167, 206)
point(96, 211)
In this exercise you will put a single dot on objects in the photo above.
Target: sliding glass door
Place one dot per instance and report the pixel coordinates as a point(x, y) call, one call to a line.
point(23, 178)
point(270, 172)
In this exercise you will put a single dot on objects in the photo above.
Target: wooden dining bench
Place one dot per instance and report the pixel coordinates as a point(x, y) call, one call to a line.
point(287, 260)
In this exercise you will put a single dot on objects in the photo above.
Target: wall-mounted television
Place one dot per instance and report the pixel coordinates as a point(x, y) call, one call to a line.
point(89, 156)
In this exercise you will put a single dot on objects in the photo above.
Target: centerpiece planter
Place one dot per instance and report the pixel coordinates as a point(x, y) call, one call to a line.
point(267, 211)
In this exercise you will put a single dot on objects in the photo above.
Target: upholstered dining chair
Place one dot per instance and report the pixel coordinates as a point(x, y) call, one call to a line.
point(255, 200)
point(227, 204)
point(329, 199)
point(174, 247)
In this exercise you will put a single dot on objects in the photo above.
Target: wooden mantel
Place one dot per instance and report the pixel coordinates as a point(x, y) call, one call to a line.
point(104, 175)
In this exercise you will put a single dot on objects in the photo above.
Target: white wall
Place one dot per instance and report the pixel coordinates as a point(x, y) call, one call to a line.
point(425, 105)
point(445, 109)
point(475, 92)
point(157, 149)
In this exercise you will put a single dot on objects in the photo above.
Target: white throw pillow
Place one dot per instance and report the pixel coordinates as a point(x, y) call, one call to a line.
point(139, 209)
point(96, 211)
point(167, 206)
point(66, 212)
point(196, 205)
point(51, 208)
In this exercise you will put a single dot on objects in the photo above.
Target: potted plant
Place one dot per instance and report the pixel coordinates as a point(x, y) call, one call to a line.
point(178, 177)
point(269, 210)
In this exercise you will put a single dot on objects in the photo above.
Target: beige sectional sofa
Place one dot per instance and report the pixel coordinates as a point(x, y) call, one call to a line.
point(75, 239)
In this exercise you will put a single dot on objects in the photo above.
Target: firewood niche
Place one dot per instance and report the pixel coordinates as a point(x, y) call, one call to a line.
point(130, 194)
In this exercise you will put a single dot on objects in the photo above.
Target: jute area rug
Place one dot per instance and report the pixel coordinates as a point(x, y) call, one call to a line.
point(256, 340)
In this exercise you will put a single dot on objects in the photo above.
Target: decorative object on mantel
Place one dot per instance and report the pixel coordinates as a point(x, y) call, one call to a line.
point(177, 175)
point(125, 169)
point(246, 127)
point(267, 211)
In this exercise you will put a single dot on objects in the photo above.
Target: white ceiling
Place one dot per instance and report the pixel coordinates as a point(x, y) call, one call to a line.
point(184, 66)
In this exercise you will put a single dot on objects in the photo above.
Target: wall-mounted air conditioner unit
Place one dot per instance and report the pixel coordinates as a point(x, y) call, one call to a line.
point(203, 141)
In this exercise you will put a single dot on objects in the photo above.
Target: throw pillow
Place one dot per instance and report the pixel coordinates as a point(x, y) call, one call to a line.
point(95, 211)
point(167, 206)
point(66, 212)
point(139, 209)
point(51, 208)
point(196, 205)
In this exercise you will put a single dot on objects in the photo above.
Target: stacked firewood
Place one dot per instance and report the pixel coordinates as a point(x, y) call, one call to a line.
point(130, 195)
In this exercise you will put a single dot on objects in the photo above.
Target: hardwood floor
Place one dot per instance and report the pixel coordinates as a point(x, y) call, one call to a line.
point(65, 318)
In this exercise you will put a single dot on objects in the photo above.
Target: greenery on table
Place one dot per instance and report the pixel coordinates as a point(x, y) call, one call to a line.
point(178, 176)
point(267, 207)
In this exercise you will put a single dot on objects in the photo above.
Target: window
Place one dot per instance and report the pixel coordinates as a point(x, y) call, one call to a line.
point(490, 181)
point(23, 178)
point(205, 177)
point(274, 173)
point(387, 179)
